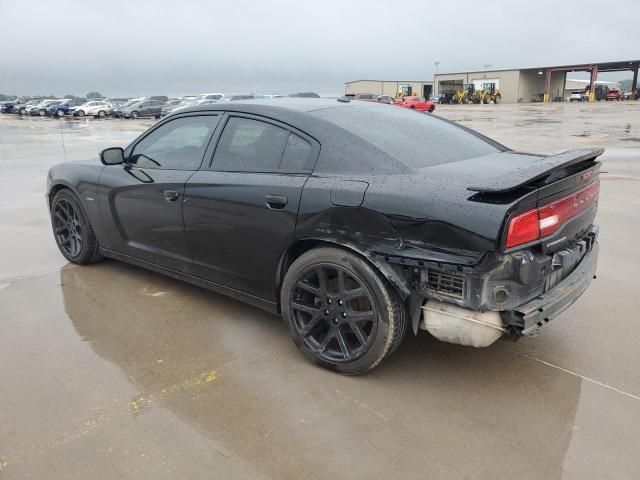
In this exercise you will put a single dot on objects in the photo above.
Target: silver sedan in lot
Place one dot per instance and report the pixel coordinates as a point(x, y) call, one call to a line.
point(41, 108)
point(94, 108)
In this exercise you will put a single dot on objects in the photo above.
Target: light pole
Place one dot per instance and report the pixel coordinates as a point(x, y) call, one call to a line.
point(436, 63)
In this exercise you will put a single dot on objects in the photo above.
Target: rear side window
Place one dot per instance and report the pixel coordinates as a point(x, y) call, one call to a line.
point(248, 145)
point(297, 154)
point(415, 139)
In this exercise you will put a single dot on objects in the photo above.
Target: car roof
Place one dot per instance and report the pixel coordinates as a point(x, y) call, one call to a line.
point(274, 105)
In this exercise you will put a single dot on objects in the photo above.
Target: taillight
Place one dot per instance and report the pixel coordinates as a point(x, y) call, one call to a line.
point(523, 228)
point(554, 214)
point(547, 219)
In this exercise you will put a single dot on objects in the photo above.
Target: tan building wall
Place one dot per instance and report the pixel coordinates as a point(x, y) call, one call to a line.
point(384, 87)
point(506, 81)
point(364, 86)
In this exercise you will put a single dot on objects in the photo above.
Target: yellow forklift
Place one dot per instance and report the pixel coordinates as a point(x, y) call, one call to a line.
point(465, 95)
point(491, 93)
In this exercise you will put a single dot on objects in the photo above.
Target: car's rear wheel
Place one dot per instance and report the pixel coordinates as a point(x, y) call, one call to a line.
point(340, 312)
point(42, 112)
point(81, 113)
point(431, 109)
point(72, 230)
point(22, 111)
point(134, 114)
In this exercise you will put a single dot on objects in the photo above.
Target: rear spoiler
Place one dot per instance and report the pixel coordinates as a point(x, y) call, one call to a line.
point(536, 170)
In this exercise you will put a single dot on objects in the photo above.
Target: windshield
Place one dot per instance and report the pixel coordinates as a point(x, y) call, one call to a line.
point(416, 139)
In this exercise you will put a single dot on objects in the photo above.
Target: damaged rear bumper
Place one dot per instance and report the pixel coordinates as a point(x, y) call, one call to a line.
point(535, 313)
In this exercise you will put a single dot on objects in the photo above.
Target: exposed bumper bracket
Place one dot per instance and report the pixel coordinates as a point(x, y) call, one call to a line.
point(532, 315)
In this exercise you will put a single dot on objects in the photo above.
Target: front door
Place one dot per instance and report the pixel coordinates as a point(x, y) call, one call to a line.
point(240, 213)
point(142, 200)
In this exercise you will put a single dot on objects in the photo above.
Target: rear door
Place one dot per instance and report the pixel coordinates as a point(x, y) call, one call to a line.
point(240, 212)
point(145, 107)
point(142, 200)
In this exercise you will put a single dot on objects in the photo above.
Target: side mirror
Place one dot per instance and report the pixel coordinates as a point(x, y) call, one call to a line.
point(112, 156)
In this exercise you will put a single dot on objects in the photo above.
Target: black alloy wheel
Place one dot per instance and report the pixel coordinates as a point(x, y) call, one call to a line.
point(333, 311)
point(71, 228)
point(67, 227)
point(340, 312)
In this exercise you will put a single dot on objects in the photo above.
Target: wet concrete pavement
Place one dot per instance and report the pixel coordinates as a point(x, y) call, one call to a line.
point(109, 371)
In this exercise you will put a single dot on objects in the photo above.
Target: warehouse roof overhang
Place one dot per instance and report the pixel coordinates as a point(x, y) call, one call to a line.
point(616, 66)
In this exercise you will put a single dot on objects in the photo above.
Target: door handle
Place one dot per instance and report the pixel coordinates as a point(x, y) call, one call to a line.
point(276, 202)
point(171, 195)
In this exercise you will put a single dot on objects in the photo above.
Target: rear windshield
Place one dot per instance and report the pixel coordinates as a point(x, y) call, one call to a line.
point(416, 139)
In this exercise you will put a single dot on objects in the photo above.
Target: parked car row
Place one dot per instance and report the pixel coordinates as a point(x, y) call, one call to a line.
point(412, 102)
point(154, 106)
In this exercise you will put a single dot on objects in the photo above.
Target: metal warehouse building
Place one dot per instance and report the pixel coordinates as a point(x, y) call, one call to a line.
point(530, 84)
point(422, 88)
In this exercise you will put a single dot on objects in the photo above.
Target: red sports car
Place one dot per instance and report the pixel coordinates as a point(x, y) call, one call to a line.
point(614, 95)
point(416, 103)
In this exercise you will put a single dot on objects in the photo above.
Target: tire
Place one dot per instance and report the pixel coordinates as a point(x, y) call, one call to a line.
point(102, 114)
point(72, 230)
point(498, 98)
point(81, 113)
point(134, 114)
point(22, 111)
point(412, 107)
point(60, 113)
point(350, 329)
point(42, 113)
point(431, 109)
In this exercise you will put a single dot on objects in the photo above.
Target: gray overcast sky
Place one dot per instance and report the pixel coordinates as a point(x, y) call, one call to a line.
point(121, 47)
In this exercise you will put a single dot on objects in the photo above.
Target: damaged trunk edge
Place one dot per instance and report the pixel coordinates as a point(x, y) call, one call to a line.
point(496, 292)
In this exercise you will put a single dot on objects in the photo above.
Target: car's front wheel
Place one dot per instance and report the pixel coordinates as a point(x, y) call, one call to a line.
point(60, 113)
point(340, 312)
point(42, 113)
point(102, 114)
point(134, 114)
point(72, 230)
point(81, 113)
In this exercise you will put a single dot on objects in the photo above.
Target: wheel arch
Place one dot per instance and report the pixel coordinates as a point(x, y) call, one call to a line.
point(56, 187)
point(301, 246)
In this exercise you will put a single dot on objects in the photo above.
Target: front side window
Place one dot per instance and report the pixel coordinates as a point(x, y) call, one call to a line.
point(248, 145)
point(175, 145)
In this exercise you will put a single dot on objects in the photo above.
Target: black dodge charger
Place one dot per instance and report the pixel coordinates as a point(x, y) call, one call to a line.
point(355, 221)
